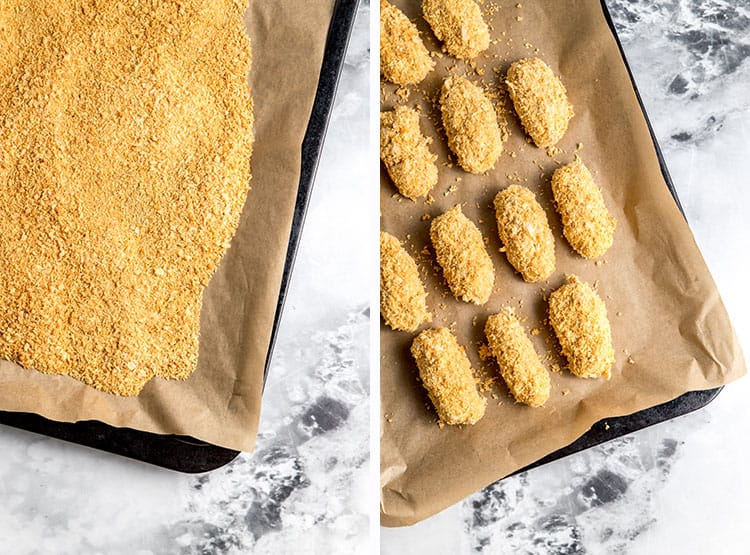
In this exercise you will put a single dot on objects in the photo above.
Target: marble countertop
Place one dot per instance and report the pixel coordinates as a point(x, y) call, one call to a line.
point(682, 486)
point(308, 475)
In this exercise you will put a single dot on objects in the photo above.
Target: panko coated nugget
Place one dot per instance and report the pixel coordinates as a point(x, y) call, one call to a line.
point(528, 381)
point(402, 295)
point(406, 154)
point(540, 100)
point(587, 224)
point(448, 377)
point(459, 25)
point(470, 123)
point(404, 60)
point(579, 319)
point(460, 251)
point(525, 233)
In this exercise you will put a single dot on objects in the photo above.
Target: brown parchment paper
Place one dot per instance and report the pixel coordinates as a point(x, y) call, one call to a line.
point(220, 402)
point(665, 311)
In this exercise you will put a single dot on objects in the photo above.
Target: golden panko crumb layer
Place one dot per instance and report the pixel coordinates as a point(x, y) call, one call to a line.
point(125, 142)
point(528, 381)
point(404, 59)
point(402, 295)
point(460, 251)
point(540, 100)
point(448, 377)
point(406, 153)
point(525, 233)
point(470, 123)
point(587, 224)
point(579, 318)
point(459, 25)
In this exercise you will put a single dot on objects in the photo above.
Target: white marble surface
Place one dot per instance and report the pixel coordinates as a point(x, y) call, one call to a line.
point(304, 489)
point(682, 486)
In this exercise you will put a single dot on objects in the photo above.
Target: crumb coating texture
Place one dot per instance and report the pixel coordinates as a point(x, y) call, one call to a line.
point(448, 377)
point(523, 228)
point(404, 59)
point(587, 224)
point(461, 253)
point(459, 25)
point(470, 123)
point(540, 100)
point(402, 295)
point(406, 153)
point(527, 379)
point(579, 318)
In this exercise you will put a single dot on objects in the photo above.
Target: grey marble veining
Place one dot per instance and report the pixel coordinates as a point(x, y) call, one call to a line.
point(304, 488)
point(682, 486)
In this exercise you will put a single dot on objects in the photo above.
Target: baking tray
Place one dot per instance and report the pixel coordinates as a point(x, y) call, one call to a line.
point(182, 453)
point(611, 428)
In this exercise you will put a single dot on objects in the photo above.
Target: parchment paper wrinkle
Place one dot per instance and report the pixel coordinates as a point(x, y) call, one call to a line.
point(220, 403)
point(666, 315)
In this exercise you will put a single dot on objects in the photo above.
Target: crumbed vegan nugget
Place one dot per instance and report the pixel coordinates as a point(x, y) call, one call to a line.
point(579, 318)
point(460, 251)
point(402, 295)
point(525, 233)
point(470, 123)
point(406, 154)
point(448, 377)
point(459, 25)
point(587, 224)
point(540, 100)
point(404, 60)
point(520, 367)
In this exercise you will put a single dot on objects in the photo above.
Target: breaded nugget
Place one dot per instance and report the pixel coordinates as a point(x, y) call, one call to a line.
point(460, 251)
point(448, 377)
point(470, 123)
point(579, 319)
point(523, 229)
point(520, 367)
point(404, 60)
point(402, 295)
point(459, 25)
point(540, 100)
point(406, 154)
point(587, 224)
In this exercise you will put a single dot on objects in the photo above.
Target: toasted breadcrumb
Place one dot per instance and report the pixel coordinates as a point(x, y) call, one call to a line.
point(402, 295)
point(527, 379)
point(406, 154)
point(579, 318)
point(540, 100)
point(470, 123)
point(448, 377)
point(404, 60)
point(125, 143)
point(587, 224)
point(525, 232)
point(459, 25)
point(461, 253)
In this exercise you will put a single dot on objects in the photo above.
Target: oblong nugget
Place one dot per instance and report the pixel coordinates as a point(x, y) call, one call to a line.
point(404, 60)
point(470, 123)
point(402, 295)
point(587, 224)
point(448, 377)
point(406, 154)
point(579, 318)
point(460, 251)
point(523, 228)
point(459, 25)
point(528, 381)
point(540, 100)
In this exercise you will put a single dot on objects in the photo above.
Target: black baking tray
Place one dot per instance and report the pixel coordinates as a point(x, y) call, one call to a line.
point(182, 453)
point(611, 428)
